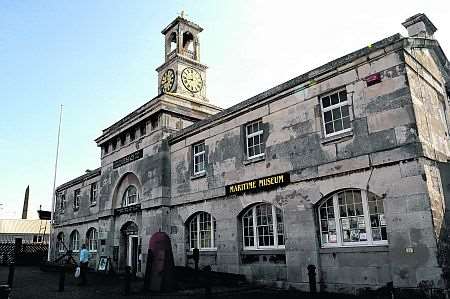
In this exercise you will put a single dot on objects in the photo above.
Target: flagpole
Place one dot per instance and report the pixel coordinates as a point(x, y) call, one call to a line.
point(54, 186)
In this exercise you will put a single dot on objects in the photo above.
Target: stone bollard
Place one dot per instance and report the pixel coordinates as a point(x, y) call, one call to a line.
point(62, 278)
point(11, 274)
point(312, 278)
point(126, 289)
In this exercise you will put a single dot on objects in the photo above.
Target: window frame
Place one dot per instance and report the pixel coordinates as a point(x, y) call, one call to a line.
point(260, 133)
point(198, 154)
point(72, 235)
point(337, 220)
point(331, 108)
point(255, 226)
point(92, 239)
point(76, 199)
point(93, 194)
point(126, 203)
point(196, 221)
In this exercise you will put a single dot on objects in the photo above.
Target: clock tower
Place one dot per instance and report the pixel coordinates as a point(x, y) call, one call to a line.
point(182, 74)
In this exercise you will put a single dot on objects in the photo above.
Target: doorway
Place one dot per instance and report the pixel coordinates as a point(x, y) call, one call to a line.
point(132, 252)
point(129, 247)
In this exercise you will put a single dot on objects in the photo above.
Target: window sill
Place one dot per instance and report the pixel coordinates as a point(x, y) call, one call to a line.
point(76, 210)
point(93, 204)
point(264, 251)
point(198, 175)
point(209, 251)
point(360, 248)
point(255, 160)
point(336, 138)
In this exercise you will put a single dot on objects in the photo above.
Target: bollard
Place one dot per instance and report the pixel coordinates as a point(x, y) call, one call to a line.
point(126, 289)
point(312, 278)
point(62, 277)
point(11, 274)
point(207, 284)
point(196, 257)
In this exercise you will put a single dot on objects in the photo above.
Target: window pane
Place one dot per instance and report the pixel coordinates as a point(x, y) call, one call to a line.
point(329, 128)
point(326, 102)
point(327, 116)
point(343, 95)
point(334, 99)
point(337, 125)
point(344, 110)
point(336, 113)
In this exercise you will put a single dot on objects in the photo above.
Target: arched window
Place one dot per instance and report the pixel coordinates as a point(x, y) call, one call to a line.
point(130, 196)
point(352, 217)
point(263, 227)
point(188, 41)
point(202, 231)
point(61, 242)
point(92, 239)
point(173, 41)
point(75, 241)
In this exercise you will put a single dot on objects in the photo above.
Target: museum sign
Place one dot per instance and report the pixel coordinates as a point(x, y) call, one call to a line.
point(127, 209)
point(257, 185)
point(128, 158)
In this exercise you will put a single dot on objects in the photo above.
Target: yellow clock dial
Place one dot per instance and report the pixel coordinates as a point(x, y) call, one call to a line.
point(192, 80)
point(167, 80)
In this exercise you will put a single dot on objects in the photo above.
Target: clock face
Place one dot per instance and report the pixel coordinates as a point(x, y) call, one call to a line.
point(167, 80)
point(192, 80)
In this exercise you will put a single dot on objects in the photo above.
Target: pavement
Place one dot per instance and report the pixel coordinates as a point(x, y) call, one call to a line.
point(32, 283)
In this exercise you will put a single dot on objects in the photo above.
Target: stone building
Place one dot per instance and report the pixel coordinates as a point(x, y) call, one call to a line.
point(343, 167)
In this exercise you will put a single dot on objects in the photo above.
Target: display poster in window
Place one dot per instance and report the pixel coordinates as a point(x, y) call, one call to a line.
point(353, 223)
point(363, 236)
point(331, 224)
point(346, 235)
point(361, 223)
point(376, 234)
point(332, 238)
point(103, 264)
point(325, 238)
point(382, 220)
point(345, 223)
point(354, 235)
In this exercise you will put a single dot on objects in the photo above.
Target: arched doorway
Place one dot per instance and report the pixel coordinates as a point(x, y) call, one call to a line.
point(129, 244)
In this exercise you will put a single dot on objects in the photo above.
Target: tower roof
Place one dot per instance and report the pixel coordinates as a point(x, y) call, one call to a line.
point(183, 21)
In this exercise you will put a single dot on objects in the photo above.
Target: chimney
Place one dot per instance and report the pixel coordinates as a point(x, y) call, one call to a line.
point(25, 203)
point(419, 26)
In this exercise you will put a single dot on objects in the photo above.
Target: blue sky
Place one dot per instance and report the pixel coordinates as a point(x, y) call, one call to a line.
point(98, 59)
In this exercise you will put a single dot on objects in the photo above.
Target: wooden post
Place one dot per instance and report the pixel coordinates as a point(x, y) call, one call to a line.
point(62, 277)
point(11, 274)
point(312, 278)
point(126, 289)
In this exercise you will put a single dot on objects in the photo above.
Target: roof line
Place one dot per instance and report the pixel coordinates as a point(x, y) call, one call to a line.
point(289, 84)
point(81, 178)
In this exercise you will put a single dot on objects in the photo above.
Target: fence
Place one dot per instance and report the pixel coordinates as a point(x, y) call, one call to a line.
point(22, 254)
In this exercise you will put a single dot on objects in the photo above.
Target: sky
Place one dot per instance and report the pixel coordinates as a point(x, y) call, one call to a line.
point(98, 60)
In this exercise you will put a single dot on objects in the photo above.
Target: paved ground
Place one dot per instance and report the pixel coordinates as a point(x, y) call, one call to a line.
point(31, 282)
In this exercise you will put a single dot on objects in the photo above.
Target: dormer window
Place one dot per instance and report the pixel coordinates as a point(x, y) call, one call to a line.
point(130, 196)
